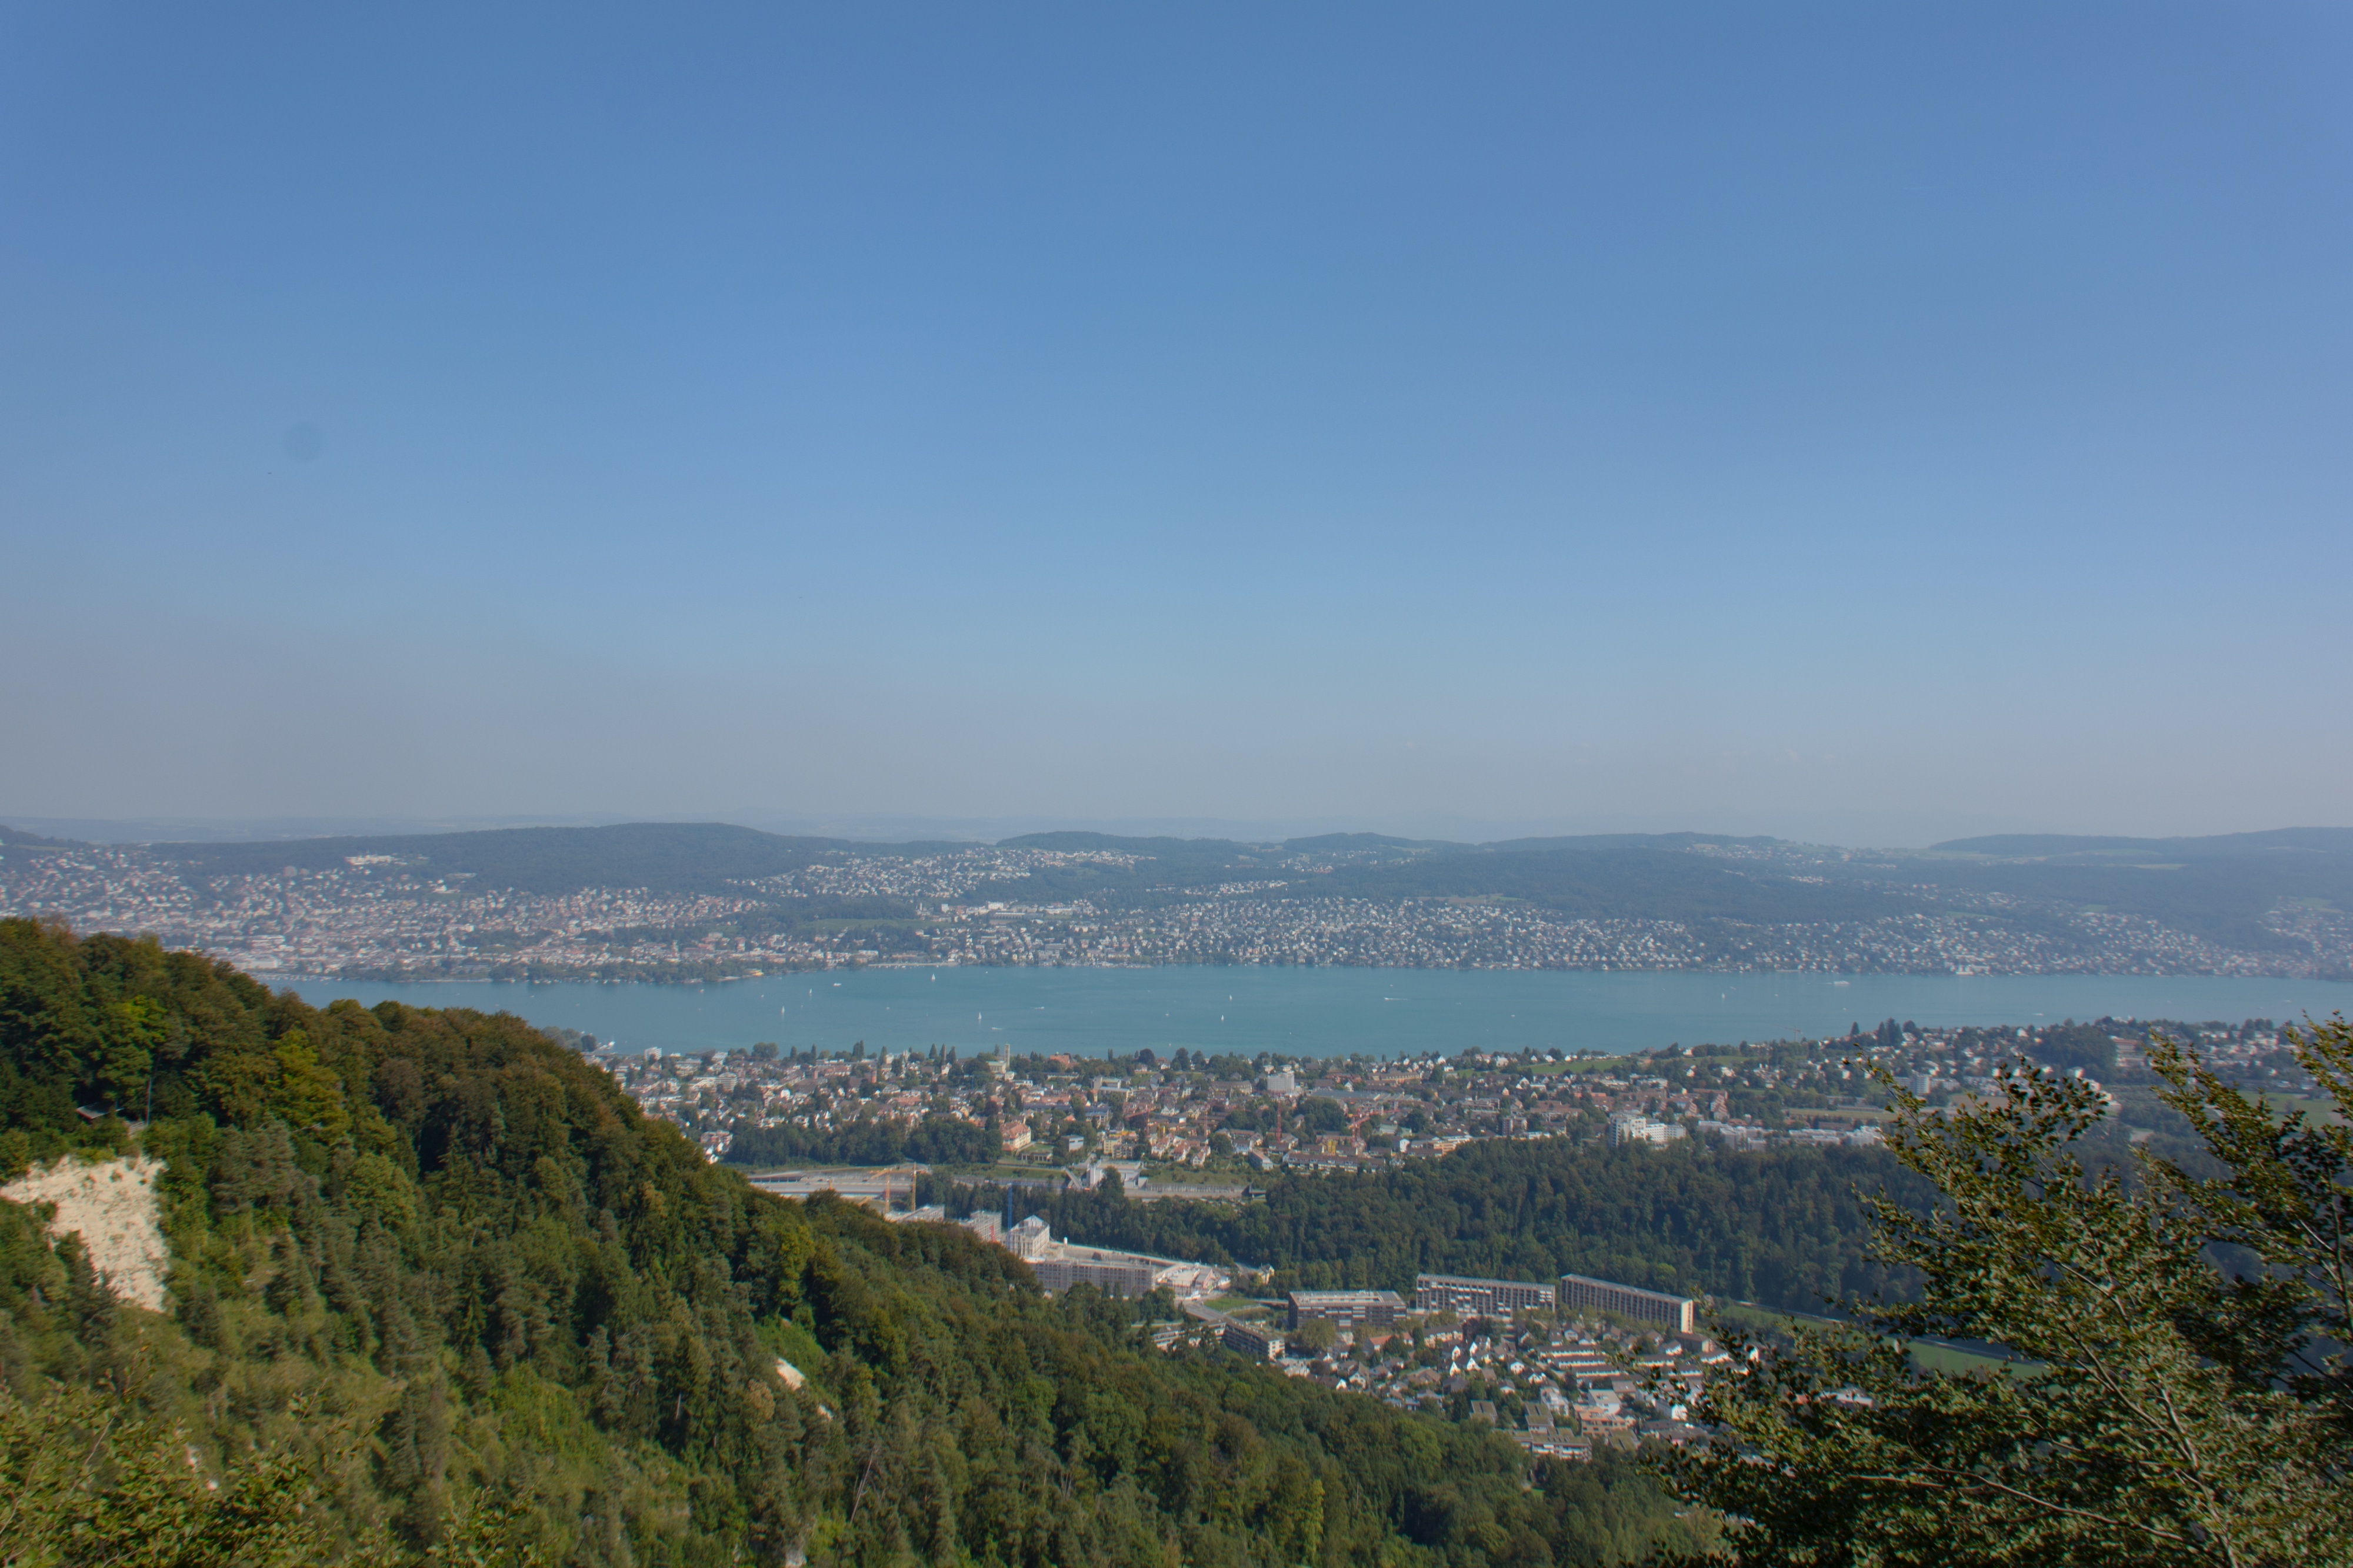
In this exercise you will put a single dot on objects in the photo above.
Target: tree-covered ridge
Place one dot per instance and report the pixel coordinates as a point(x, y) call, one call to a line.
point(434, 1256)
point(1783, 1227)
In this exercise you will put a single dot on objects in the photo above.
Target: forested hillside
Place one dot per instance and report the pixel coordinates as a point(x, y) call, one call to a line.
point(934, 1140)
point(1782, 1227)
point(441, 1264)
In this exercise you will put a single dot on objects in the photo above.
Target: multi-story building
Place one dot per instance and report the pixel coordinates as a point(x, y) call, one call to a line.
point(1058, 1265)
point(1577, 1293)
point(1470, 1298)
point(1029, 1239)
point(1242, 1338)
point(1346, 1310)
point(1632, 1127)
point(1112, 1275)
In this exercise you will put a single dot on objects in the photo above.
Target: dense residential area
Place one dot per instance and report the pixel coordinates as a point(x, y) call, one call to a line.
point(1074, 1119)
point(1560, 1376)
point(700, 901)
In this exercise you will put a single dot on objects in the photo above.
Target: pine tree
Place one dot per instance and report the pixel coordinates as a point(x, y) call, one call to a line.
point(2160, 1409)
point(89, 1301)
point(87, 1480)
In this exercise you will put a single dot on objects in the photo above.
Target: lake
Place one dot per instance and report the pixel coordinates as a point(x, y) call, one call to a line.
point(1324, 1012)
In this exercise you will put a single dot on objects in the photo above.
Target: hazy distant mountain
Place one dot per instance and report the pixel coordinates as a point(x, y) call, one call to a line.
point(1333, 842)
point(669, 856)
point(2052, 845)
point(258, 829)
point(2224, 884)
point(1631, 841)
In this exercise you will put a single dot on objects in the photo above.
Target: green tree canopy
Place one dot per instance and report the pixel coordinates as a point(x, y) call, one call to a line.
point(2179, 1392)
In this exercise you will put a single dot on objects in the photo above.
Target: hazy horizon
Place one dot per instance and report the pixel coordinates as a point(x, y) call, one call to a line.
point(1855, 424)
point(888, 830)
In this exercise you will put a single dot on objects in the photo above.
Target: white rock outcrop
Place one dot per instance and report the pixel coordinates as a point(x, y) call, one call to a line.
point(113, 1207)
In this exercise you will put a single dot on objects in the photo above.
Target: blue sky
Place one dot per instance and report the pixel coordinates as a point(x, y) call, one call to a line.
point(1870, 422)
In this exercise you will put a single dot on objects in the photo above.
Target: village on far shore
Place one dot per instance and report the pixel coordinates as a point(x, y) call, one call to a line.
point(1195, 1119)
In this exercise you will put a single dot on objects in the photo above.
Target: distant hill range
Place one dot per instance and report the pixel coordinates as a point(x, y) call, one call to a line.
point(668, 857)
point(2218, 886)
point(2274, 898)
point(2220, 846)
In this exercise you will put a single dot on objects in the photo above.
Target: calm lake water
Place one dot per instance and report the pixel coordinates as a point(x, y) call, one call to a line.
point(1325, 1012)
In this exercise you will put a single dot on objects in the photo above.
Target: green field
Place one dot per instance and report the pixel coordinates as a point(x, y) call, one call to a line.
point(2317, 1109)
point(1934, 1357)
point(1930, 1355)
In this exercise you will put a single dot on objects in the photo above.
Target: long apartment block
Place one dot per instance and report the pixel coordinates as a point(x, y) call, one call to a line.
point(1466, 1297)
point(1676, 1314)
